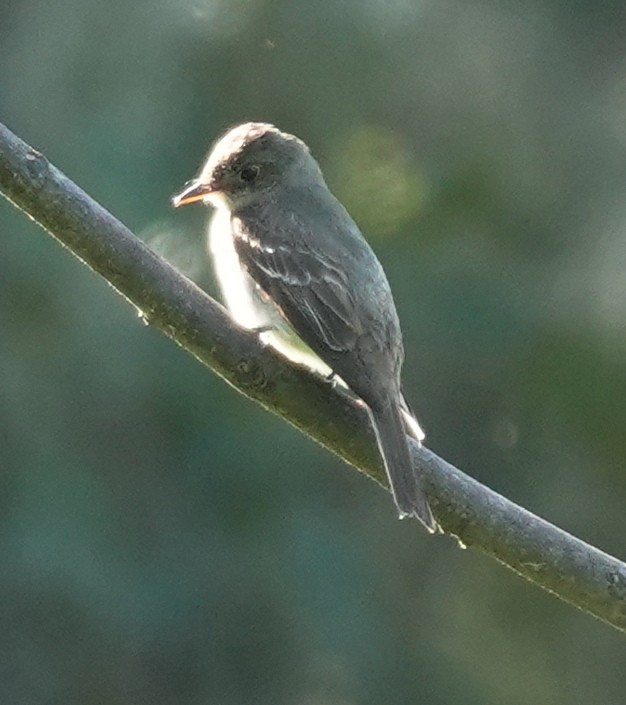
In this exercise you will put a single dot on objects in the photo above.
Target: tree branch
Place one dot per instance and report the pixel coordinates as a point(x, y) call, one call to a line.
point(558, 562)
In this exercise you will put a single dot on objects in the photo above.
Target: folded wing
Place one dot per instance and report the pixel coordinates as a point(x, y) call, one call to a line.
point(309, 289)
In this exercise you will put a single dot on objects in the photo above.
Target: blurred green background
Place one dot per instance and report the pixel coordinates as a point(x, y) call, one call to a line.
point(162, 539)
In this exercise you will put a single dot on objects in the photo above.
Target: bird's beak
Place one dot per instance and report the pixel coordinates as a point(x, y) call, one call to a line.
point(193, 191)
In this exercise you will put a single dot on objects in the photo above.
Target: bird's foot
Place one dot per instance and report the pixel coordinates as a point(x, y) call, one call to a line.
point(262, 329)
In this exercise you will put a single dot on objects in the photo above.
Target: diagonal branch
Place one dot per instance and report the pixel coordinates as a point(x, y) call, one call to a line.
point(560, 563)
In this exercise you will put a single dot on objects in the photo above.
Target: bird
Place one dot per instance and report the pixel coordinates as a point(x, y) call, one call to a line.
point(293, 265)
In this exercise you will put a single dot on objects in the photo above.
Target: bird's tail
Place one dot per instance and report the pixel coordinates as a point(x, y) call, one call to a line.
point(404, 481)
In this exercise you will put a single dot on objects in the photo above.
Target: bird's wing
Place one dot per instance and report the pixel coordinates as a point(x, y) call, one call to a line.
point(310, 290)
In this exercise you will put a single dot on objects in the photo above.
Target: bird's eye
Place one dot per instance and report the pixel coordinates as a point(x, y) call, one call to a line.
point(249, 173)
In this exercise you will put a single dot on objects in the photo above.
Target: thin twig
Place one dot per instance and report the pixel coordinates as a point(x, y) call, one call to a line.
point(555, 560)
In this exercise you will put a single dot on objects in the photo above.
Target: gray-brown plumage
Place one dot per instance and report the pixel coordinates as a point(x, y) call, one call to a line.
point(289, 257)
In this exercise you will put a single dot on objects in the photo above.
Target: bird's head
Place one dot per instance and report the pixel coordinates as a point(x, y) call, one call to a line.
point(248, 163)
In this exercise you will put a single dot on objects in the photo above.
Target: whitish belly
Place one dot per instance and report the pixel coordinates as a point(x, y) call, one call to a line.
point(245, 302)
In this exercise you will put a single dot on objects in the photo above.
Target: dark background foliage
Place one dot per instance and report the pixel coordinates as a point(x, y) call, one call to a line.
point(163, 540)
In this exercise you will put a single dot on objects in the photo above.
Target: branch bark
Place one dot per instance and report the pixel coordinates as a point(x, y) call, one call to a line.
point(544, 554)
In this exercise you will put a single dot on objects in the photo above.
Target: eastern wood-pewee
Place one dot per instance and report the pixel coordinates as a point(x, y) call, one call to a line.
point(292, 264)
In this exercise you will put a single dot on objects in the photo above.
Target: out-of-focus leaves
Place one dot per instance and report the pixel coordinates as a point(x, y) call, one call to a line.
point(376, 181)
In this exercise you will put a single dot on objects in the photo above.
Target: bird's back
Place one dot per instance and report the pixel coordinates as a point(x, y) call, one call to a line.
point(305, 238)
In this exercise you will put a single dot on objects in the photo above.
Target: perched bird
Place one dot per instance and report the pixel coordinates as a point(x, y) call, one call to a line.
point(293, 265)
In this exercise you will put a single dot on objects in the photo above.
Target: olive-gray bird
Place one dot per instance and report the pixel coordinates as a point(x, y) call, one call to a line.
point(293, 264)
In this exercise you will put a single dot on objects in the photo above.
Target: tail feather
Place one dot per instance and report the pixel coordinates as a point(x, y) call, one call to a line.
point(404, 481)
